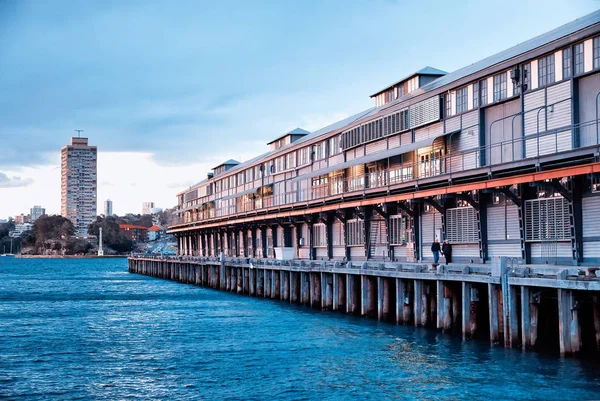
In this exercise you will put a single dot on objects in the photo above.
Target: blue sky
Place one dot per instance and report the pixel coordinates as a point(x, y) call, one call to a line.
point(183, 85)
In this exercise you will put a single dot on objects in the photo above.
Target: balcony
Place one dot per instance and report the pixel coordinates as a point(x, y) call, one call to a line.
point(517, 154)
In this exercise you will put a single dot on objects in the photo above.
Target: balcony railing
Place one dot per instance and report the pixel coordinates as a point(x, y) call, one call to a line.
point(432, 164)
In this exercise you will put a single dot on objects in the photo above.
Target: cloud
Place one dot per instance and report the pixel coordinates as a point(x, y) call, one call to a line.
point(14, 182)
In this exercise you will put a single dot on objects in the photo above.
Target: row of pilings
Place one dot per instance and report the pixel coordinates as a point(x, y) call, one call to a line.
point(473, 302)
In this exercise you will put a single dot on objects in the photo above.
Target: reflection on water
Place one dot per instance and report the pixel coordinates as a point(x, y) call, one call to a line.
point(87, 329)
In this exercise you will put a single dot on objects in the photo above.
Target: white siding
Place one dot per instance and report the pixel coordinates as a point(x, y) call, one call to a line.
point(591, 228)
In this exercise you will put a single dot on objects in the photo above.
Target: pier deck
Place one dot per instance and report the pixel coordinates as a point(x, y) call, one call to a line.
point(528, 306)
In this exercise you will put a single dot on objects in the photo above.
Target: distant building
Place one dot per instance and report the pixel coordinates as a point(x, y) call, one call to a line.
point(22, 219)
point(154, 232)
point(20, 228)
point(79, 184)
point(156, 210)
point(133, 232)
point(147, 207)
point(36, 212)
point(108, 208)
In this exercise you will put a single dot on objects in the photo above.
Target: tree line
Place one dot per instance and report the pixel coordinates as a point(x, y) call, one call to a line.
point(56, 234)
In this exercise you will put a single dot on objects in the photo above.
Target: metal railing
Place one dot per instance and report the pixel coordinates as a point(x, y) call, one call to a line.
point(410, 172)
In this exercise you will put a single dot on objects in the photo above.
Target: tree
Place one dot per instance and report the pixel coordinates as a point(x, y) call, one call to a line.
point(111, 233)
point(50, 228)
point(77, 246)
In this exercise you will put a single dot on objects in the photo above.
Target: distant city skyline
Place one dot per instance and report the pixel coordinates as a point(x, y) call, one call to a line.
point(162, 116)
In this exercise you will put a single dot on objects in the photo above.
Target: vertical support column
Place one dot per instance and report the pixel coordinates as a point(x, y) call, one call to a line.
point(364, 298)
point(329, 229)
point(311, 288)
point(336, 291)
point(441, 309)
point(568, 323)
point(292, 281)
point(466, 310)
point(350, 294)
point(596, 313)
point(305, 288)
point(418, 302)
point(380, 297)
point(324, 299)
point(494, 309)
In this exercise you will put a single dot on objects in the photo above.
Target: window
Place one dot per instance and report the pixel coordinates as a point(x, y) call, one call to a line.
point(526, 79)
point(448, 105)
point(355, 232)
point(547, 219)
point(484, 92)
point(461, 100)
point(546, 70)
point(596, 52)
point(500, 87)
point(567, 63)
point(476, 95)
point(319, 235)
point(461, 225)
point(397, 230)
point(578, 49)
point(334, 145)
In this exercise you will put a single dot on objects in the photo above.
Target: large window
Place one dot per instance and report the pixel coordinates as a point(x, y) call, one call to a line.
point(397, 229)
point(567, 63)
point(461, 225)
point(578, 50)
point(483, 89)
point(547, 219)
point(476, 95)
point(448, 105)
point(546, 70)
point(500, 87)
point(596, 52)
point(355, 232)
point(461, 100)
point(319, 235)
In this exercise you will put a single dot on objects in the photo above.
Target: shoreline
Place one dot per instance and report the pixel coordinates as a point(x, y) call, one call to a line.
point(70, 256)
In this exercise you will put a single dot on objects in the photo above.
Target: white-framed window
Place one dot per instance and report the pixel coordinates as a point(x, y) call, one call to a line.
point(319, 235)
point(355, 232)
point(461, 225)
point(547, 219)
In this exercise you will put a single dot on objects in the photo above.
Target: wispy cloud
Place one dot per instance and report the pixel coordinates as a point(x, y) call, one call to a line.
point(14, 182)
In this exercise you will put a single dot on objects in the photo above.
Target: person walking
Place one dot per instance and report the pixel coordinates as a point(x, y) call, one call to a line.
point(435, 249)
point(447, 251)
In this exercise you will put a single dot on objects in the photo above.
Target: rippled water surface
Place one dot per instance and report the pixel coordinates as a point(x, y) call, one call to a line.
point(89, 330)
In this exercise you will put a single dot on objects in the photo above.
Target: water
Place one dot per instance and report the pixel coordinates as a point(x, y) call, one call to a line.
point(89, 330)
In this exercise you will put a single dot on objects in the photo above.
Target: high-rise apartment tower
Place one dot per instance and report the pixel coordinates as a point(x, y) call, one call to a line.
point(79, 184)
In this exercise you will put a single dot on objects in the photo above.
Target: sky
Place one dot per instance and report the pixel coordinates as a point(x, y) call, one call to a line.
point(168, 90)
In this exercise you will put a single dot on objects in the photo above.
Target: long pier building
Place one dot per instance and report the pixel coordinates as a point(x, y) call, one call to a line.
point(501, 158)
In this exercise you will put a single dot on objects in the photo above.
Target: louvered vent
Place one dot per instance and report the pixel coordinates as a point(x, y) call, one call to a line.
point(425, 112)
point(547, 219)
point(461, 225)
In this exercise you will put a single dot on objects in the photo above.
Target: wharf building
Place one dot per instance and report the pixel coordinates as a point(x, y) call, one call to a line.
point(79, 184)
point(501, 158)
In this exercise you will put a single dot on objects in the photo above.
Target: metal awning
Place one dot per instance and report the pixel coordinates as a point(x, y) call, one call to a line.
point(371, 158)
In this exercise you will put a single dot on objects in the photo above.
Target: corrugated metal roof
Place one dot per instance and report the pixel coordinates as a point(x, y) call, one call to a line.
point(423, 71)
point(514, 51)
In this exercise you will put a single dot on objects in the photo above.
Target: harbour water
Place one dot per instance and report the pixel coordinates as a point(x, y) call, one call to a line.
point(89, 330)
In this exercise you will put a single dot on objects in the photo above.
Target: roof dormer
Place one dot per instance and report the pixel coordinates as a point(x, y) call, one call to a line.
point(221, 168)
point(287, 138)
point(407, 85)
